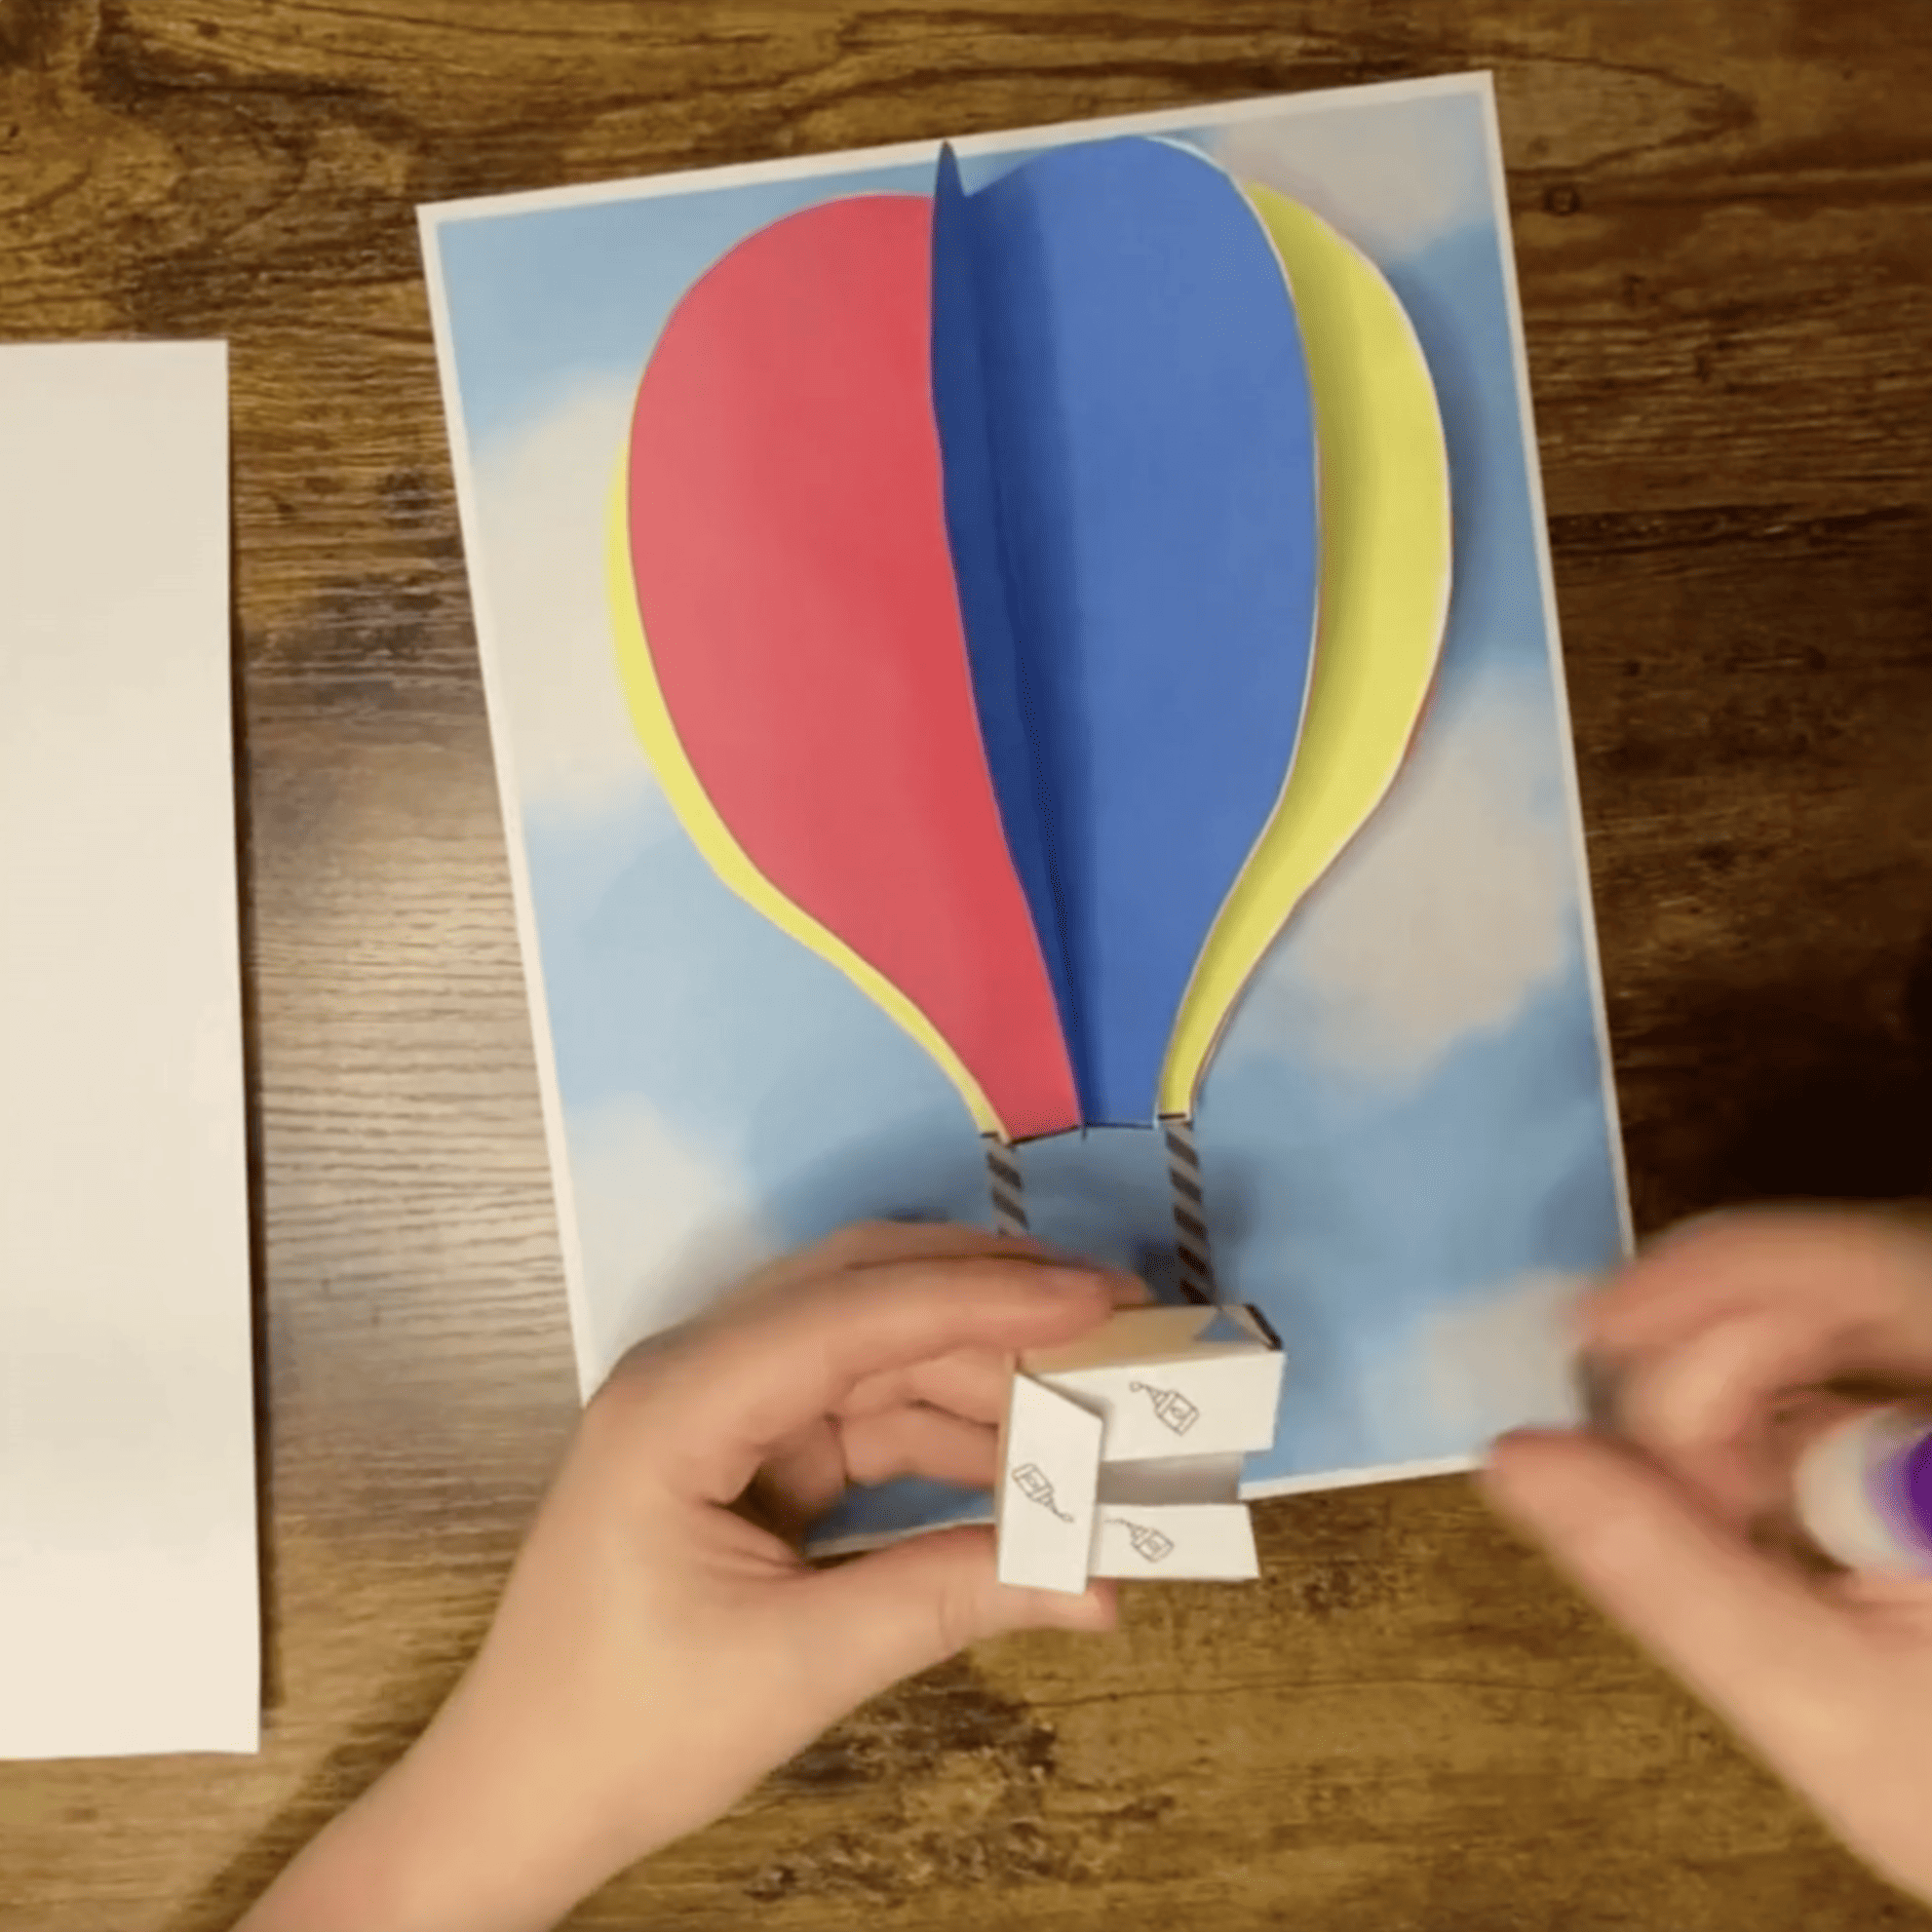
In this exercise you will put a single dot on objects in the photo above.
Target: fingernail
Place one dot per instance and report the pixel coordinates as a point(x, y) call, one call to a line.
point(1501, 1445)
point(1691, 1226)
point(1094, 1610)
point(1515, 1475)
point(1087, 1282)
point(1513, 1445)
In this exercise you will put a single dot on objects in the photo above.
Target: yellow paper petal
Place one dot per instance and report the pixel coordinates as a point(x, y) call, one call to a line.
point(1384, 495)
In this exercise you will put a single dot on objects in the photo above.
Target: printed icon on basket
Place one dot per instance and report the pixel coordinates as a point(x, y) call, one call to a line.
point(1032, 1483)
point(1169, 1406)
point(1149, 1543)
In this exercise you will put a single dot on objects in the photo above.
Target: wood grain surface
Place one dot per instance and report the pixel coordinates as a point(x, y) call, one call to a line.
point(1723, 222)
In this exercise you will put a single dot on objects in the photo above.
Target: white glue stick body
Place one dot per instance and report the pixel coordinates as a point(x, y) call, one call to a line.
point(1864, 1490)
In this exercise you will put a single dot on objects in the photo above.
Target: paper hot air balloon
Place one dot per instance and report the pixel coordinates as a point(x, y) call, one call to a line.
point(967, 558)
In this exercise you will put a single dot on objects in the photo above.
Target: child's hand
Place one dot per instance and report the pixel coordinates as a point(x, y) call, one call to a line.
point(1713, 1339)
point(658, 1649)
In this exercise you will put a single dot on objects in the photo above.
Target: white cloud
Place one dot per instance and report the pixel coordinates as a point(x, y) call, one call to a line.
point(1476, 1366)
point(662, 1227)
point(1393, 178)
point(543, 498)
point(1446, 917)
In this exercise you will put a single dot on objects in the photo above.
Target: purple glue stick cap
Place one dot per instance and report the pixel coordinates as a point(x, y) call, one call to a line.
point(1915, 1481)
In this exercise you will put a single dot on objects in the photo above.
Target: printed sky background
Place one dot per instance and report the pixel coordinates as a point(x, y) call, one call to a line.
point(1405, 1133)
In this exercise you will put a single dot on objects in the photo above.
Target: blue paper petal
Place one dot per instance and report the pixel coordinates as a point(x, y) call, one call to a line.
point(1130, 488)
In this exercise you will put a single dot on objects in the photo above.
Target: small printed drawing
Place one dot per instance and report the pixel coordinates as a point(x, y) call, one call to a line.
point(1169, 1406)
point(1031, 1481)
point(1149, 1543)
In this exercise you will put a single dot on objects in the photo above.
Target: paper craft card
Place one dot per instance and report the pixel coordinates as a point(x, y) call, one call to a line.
point(1121, 1454)
point(128, 1601)
point(1026, 689)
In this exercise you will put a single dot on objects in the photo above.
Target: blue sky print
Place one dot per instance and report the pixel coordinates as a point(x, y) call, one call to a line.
point(1408, 1135)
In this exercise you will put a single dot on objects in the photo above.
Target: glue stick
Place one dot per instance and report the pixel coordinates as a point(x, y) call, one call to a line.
point(1864, 1490)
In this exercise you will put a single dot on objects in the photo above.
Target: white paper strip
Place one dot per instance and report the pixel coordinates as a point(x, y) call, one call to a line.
point(1049, 1461)
point(1172, 1382)
point(129, 1599)
point(1197, 1542)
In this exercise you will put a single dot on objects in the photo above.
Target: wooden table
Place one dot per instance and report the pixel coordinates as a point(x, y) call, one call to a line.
point(1724, 220)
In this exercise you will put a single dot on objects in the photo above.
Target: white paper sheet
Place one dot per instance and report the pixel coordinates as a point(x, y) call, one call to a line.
point(1050, 1453)
point(1172, 1382)
point(128, 1596)
point(1174, 1542)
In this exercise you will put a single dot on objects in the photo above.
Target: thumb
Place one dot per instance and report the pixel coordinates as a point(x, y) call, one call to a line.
point(899, 1611)
point(1754, 1640)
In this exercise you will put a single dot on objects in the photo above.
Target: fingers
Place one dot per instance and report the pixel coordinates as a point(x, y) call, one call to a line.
point(803, 1477)
point(969, 1382)
point(1787, 1666)
point(921, 1441)
point(748, 1382)
point(1825, 1275)
point(1716, 1408)
point(972, 1382)
point(864, 1243)
point(1713, 1345)
point(901, 1610)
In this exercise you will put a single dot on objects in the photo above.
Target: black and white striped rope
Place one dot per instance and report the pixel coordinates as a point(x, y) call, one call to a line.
point(1190, 1212)
point(1006, 1187)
